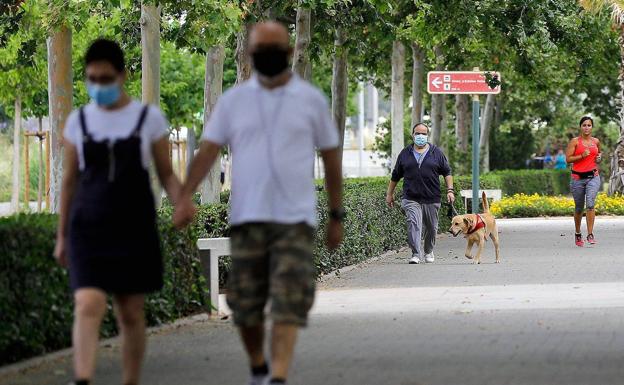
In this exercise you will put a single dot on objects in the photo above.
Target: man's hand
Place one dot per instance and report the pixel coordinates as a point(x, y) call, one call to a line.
point(390, 200)
point(184, 212)
point(60, 252)
point(334, 234)
point(450, 197)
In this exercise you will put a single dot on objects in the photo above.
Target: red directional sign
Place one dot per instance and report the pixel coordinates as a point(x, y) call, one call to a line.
point(460, 82)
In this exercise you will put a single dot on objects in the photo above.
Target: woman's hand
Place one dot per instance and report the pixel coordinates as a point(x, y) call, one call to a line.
point(585, 153)
point(59, 251)
point(599, 157)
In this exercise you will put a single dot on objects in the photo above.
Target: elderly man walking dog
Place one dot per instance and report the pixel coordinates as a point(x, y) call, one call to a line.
point(421, 164)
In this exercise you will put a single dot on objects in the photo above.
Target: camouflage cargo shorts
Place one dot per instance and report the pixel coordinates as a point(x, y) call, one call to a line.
point(271, 262)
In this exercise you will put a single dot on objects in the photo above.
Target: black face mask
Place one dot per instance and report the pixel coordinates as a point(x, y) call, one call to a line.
point(270, 61)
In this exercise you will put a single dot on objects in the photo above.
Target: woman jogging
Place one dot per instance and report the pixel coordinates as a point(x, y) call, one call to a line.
point(107, 232)
point(584, 154)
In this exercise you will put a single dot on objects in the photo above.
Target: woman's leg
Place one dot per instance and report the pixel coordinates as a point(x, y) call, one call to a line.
point(89, 309)
point(593, 186)
point(578, 188)
point(131, 320)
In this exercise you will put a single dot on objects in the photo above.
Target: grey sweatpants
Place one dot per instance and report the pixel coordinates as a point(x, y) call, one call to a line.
point(422, 220)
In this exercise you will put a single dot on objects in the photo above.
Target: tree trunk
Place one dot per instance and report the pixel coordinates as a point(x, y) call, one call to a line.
point(438, 104)
point(60, 87)
point(418, 72)
point(17, 133)
point(301, 57)
point(462, 121)
point(243, 61)
point(213, 87)
point(40, 176)
point(486, 125)
point(150, 69)
point(396, 99)
point(339, 85)
point(616, 181)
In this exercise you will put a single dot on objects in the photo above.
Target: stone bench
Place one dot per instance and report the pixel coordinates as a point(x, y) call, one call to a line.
point(494, 195)
point(210, 250)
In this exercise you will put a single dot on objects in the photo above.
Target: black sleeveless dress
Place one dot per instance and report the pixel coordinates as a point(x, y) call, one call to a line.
point(113, 240)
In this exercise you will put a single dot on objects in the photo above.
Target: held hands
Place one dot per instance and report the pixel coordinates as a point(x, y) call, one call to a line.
point(184, 212)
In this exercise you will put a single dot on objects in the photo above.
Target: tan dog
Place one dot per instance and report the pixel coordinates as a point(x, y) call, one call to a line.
point(476, 228)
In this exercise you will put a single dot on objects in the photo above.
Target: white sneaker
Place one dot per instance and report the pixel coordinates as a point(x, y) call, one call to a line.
point(415, 260)
point(260, 380)
point(429, 258)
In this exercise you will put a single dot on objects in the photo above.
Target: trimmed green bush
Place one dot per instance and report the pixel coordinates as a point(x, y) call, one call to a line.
point(35, 300)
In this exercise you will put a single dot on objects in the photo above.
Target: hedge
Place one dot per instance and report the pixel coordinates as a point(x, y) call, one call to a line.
point(526, 206)
point(35, 302)
point(36, 305)
point(544, 182)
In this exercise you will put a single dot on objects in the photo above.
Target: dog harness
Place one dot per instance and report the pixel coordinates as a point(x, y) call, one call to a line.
point(480, 224)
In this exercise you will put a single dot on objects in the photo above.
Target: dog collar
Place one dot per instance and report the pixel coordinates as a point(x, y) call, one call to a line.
point(478, 225)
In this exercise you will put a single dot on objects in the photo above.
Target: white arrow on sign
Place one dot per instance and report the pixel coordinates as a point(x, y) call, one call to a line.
point(436, 82)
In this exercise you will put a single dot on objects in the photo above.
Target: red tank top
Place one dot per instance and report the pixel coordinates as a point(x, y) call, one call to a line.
point(589, 162)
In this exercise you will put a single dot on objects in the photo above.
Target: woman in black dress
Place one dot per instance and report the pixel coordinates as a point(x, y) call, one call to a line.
point(107, 233)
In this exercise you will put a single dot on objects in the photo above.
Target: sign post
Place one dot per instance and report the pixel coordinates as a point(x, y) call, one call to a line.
point(472, 83)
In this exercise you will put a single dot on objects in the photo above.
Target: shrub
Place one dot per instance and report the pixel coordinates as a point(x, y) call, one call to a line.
point(35, 301)
point(523, 206)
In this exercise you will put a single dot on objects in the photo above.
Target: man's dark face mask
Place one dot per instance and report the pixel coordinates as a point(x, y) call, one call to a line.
point(270, 60)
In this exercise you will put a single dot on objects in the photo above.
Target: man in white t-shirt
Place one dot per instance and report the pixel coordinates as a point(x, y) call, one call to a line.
point(273, 123)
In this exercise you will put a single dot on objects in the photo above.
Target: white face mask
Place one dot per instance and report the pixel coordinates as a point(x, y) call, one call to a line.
point(421, 139)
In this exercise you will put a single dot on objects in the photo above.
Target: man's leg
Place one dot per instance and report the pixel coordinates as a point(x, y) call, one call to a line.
point(282, 348)
point(131, 321)
point(293, 283)
point(90, 307)
point(430, 225)
point(413, 211)
point(248, 287)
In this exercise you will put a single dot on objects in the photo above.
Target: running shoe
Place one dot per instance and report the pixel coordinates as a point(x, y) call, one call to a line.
point(430, 258)
point(415, 260)
point(579, 240)
point(590, 239)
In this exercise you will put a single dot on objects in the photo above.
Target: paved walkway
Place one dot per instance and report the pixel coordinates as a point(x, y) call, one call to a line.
point(550, 313)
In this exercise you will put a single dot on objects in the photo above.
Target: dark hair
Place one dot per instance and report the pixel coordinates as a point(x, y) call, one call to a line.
point(585, 118)
point(106, 50)
point(420, 124)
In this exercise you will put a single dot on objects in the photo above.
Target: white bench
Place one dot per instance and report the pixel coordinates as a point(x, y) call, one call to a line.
point(495, 195)
point(210, 250)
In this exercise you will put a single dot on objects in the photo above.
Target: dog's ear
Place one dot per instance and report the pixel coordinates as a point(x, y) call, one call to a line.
point(468, 222)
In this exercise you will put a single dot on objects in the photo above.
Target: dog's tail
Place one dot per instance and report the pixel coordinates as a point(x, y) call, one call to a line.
point(486, 206)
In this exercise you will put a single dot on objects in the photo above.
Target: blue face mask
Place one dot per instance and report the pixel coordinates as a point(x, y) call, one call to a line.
point(104, 95)
point(420, 140)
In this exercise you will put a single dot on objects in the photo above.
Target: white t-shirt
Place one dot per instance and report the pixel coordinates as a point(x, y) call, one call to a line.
point(118, 124)
point(273, 135)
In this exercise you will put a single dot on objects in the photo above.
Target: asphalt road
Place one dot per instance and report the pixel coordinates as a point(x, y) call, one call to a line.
point(550, 313)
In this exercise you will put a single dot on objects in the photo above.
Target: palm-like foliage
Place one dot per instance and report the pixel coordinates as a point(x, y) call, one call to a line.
point(616, 6)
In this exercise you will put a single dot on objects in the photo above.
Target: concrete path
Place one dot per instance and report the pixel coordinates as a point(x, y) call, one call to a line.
point(550, 313)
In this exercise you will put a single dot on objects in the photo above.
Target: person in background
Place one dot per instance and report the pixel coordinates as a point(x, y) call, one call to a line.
point(584, 154)
point(560, 160)
point(421, 164)
point(107, 232)
point(273, 123)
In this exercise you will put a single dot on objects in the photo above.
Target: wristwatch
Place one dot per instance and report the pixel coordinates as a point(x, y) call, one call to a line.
point(338, 214)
